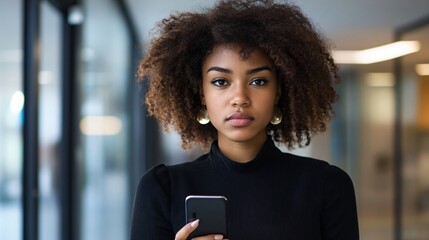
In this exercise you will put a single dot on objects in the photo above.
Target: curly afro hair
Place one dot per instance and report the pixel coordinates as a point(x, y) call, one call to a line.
point(305, 68)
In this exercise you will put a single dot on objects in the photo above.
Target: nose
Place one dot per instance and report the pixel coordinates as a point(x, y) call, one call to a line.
point(240, 96)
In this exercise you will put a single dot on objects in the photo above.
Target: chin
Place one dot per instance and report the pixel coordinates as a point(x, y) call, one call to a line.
point(243, 136)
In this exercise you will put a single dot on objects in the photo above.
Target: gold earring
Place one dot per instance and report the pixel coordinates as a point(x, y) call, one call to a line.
point(277, 116)
point(203, 117)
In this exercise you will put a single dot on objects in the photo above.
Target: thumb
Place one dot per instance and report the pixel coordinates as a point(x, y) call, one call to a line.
point(183, 233)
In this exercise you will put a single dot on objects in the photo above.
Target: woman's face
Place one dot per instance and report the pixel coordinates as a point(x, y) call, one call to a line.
point(240, 94)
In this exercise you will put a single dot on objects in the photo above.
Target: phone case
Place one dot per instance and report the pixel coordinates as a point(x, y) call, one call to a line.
point(211, 211)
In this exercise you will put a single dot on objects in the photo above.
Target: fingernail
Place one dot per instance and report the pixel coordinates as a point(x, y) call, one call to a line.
point(218, 237)
point(194, 224)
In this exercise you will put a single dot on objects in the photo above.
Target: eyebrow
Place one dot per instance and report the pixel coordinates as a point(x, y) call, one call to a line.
point(250, 71)
point(219, 69)
point(255, 70)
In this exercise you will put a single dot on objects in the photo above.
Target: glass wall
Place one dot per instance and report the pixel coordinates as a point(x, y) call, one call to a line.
point(49, 121)
point(375, 185)
point(11, 110)
point(103, 154)
point(104, 123)
point(415, 137)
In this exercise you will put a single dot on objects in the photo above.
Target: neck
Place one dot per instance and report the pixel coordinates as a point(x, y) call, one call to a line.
point(241, 152)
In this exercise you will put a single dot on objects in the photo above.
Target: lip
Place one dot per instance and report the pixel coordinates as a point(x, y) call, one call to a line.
point(239, 119)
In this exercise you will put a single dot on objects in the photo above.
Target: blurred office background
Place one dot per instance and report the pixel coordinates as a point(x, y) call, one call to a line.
point(75, 139)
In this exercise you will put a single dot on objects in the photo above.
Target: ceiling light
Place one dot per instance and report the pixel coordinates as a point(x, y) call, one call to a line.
point(376, 54)
point(17, 102)
point(422, 69)
point(75, 15)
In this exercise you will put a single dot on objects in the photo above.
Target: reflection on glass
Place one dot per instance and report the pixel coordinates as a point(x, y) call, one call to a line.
point(376, 186)
point(103, 124)
point(415, 142)
point(49, 122)
point(11, 108)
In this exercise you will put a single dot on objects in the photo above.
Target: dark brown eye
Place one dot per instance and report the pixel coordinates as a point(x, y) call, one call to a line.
point(220, 82)
point(258, 81)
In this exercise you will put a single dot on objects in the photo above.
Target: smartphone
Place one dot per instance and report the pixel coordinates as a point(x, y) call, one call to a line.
point(211, 211)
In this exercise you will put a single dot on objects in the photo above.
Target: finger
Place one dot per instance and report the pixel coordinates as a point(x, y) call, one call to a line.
point(183, 233)
point(210, 237)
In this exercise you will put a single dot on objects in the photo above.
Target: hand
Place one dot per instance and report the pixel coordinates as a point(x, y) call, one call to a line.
point(183, 233)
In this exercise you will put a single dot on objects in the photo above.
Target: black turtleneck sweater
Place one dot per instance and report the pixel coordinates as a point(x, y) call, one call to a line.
point(275, 196)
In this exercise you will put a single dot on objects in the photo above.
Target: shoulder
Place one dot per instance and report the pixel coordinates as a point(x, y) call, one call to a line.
point(155, 178)
point(327, 174)
point(337, 183)
point(301, 163)
point(336, 174)
point(337, 196)
point(201, 164)
point(160, 175)
point(311, 164)
point(161, 172)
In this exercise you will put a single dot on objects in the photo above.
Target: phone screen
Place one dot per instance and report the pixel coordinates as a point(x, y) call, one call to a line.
point(211, 211)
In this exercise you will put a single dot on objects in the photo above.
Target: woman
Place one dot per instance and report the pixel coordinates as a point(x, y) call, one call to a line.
point(240, 76)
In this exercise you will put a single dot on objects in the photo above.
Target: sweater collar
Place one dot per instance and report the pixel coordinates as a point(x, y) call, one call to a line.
point(264, 156)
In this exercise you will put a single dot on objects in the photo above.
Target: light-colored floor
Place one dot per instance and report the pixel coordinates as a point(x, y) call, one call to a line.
point(381, 227)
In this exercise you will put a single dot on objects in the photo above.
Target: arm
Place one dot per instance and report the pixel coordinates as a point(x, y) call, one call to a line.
point(339, 215)
point(151, 211)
